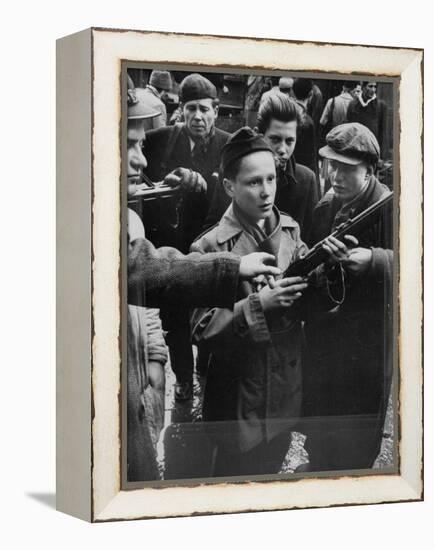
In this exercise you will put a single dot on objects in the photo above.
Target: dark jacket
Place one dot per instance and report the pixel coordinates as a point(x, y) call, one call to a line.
point(296, 195)
point(254, 373)
point(348, 364)
point(373, 116)
point(168, 223)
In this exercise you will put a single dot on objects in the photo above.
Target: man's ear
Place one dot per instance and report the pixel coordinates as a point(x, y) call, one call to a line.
point(370, 170)
point(255, 129)
point(228, 187)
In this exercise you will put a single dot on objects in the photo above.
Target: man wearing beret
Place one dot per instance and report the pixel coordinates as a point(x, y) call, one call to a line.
point(188, 155)
point(348, 365)
point(253, 390)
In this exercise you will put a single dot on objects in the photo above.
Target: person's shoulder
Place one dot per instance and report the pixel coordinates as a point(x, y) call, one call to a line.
point(379, 190)
point(222, 135)
point(353, 104)
point(287, 221)
point(325, 201)
point(207, 240)
point(304, 174)
point(161, 134)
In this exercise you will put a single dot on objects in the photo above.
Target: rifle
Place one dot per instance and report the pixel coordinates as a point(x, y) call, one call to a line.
point(353, 226)
point(149, 191)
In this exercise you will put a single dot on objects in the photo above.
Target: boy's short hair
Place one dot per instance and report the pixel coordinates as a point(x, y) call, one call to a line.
point(350, 84)
point(279, 107)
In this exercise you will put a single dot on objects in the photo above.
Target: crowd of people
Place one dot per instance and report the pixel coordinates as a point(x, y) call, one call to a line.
point(206, 268)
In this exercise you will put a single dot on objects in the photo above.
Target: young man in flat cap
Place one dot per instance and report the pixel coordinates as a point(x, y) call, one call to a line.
point(296, 185)
point(187, 153)
point(253, 388)
point(348, 367)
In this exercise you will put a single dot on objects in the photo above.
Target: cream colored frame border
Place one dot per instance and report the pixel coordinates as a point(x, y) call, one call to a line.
point(109, 48)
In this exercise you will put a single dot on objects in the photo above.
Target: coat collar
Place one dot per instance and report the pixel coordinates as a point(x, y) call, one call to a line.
point(229, 226)
point(153, 91)
point(287, 176)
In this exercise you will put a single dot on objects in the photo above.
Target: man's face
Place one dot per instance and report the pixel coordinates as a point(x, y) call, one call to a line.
point(370, 89)
point(136, 161)
point(281, 137)
point(199, 116)
point(355, 92)
point(347, 180)
point(254, 187)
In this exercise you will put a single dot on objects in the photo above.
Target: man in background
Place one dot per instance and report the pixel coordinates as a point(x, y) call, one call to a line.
point(370, 111)
point(306, 148)
point(335, 111)
point(160, 82)
point(187, 153)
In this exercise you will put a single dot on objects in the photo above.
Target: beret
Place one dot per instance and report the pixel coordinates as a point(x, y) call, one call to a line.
point(195, 86)
point(161, 79)
point(243, 142)
point(351, 143)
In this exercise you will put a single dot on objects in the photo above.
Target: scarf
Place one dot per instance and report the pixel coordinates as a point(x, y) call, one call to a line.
point(266, 238)
point(366, 103)
point(199, 153)
point(355, 206)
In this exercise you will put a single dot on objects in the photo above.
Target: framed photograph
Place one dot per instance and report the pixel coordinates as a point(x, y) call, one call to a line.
point(239, 280)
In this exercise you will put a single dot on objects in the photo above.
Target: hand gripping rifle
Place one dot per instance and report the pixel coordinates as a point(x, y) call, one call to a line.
point(353, 226)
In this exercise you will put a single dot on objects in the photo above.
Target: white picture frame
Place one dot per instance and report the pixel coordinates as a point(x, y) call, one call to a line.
point(89, 409)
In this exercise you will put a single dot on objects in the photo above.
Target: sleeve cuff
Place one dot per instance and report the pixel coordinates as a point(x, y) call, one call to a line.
point(249, 319)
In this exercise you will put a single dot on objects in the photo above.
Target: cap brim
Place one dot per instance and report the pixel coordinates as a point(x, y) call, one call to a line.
point(140, 117)
point(329, 153)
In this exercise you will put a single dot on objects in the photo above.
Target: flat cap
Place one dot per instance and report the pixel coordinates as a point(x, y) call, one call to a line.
point(351, 143)
point(243, 142)
point(161, 79)
point(195, 86)
point(138, 108)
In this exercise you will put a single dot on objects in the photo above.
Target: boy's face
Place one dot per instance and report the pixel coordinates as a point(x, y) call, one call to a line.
point(254, 187)
point(281, 137)
point(348, 180)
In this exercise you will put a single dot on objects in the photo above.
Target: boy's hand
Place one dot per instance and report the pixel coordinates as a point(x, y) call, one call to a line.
point(256, 263)
point(283, 295)
point(355, 259)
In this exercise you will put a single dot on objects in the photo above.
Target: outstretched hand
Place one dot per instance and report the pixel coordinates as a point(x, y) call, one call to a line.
point(258, 263)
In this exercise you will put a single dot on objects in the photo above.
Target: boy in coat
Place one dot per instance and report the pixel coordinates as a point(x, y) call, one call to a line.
point(254, 381)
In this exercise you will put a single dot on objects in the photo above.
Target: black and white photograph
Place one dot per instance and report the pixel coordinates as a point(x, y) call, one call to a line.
point(261, 280)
